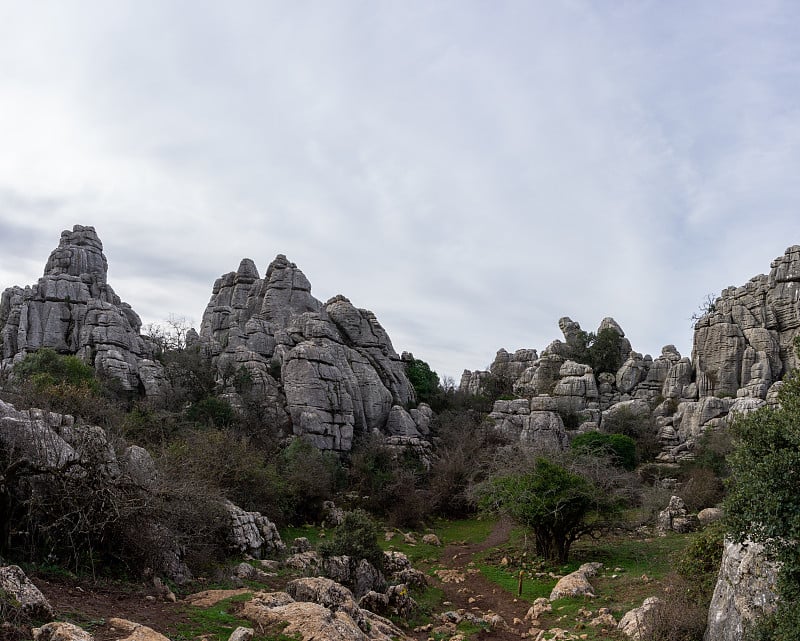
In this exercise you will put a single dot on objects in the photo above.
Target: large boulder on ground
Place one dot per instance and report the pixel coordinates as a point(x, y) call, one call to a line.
point(576, 584)
point(61, 631)
point(132, 631)
point(27, 598)
point(638, 624)
point(312, 621)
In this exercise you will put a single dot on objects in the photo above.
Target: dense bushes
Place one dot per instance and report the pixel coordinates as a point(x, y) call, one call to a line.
point(423, 379)
point(357, 537)
point(619, 448)
point(65, 384)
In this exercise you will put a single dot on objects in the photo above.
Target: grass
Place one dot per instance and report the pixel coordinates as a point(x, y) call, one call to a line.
point(219, 621)
point(313, 533)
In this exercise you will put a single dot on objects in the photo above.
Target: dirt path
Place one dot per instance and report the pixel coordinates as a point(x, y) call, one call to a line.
point(475, 593)
point(90, 605)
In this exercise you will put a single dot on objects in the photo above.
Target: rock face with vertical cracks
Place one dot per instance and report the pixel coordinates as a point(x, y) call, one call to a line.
point(329, 369)
point(73, 310)
point(745, 342)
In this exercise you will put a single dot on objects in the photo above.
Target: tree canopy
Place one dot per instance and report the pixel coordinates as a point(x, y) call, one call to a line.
point(557, 505)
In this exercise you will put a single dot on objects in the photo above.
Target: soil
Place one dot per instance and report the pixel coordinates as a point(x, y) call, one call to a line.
point(488, 597)
point(91, 604)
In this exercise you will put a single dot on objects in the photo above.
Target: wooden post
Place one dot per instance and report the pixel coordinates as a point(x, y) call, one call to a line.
point(519, 583)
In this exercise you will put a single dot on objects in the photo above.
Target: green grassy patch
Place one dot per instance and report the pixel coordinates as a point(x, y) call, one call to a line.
point(313, 533)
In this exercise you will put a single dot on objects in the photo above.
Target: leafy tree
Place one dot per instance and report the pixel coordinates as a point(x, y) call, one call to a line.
point(764, 502)
point(619, 448)
point(604, 351)
point(557, 505)
point(357, 537)
point(423, 379)
point(600, 350)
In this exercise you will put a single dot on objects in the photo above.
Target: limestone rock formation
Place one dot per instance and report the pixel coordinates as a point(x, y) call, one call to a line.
point(521, 420)
point(72, 309)
point(331, 366)
point(252, 533)
point(676, 518)
point(745, 590)
point(26, 596)
point(576, 584)
point(639, 623)
point(60, 631)
point(325, 612)
point(745, 341)
point(131, 631)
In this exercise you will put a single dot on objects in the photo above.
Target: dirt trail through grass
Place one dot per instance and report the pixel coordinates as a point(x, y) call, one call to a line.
point(475, 593)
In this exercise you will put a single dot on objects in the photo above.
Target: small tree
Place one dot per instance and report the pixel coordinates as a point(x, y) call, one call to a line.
point(357, 537)
point(556, 505)
point(423, 379)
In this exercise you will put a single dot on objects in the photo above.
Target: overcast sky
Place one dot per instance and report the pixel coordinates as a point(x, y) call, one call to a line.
point(471, 171)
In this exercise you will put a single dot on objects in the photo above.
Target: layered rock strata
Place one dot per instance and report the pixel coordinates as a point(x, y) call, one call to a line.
point(746, 340)
point(73, 310)
point(331, 366)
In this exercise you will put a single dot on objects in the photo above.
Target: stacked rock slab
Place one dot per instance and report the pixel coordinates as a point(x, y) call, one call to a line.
point(73, 310)
point(746, 341)
point(332, 366)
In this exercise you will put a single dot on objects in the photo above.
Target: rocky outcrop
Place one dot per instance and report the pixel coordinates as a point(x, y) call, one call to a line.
point(530, 422)
point(676, 518)
point(252, 533)
point(745, 341)
point(323, 611)
point(330, 368)
point(745, 590)
point(639, 623)
point(73, 310)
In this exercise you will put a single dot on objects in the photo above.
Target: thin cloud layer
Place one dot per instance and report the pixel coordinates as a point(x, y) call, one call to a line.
point(469, 172)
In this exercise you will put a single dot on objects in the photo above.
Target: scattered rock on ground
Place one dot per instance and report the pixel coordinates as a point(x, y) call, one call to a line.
point(135, 631)
point(577, 583)
point(61, 631)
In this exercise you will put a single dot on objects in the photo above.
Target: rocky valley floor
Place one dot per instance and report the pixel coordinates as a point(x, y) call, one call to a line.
point(472, 591)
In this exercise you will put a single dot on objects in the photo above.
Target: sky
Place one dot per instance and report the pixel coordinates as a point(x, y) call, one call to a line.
point(470, 171)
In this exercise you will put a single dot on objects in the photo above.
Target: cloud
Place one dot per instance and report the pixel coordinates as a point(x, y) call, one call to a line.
point(470, 173)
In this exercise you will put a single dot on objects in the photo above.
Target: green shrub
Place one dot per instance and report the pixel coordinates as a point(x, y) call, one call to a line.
point(423, 379)
point(699, 563)
point(356, 537)
point(619, 448)
point(46, 368)
point(212, 411)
